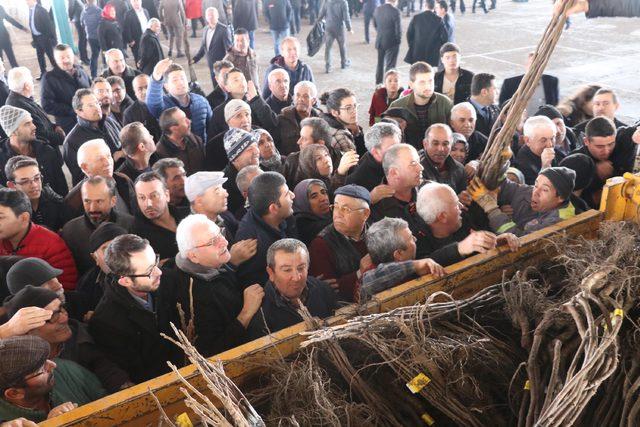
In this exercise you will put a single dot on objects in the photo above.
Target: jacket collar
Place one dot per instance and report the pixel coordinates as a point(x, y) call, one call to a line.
point(193, 269)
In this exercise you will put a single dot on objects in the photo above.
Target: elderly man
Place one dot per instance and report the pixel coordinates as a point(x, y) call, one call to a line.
point(155, 220)
point(99, 202)
point(369, 173)
point(207, 196)
point(178, 141)
point(94, 158)
point(436, 158)
point(21, 95)
point(237, 115)
point(290, 287)
point(337, 252)
point(136, 20)
point(534, 207)
point(242, 56)
point(222, 311)
point(138, 111)
point(242, 150)
point(243, 180)
point(270, 218)
point(92, 124)
point(135, 309)
point(280, 98)
point(565, 139)
point(392, 249)
point(216, 40)
point(539, 150)
point(116, 66)
point(288, 60)
point(444, 234)
point(239, 89)
point(18, 125)
point(463, 121)
point(20, 236)
point(174, 175)
point(304, 98)
point(403, 173)
point(139, 150)
point(150, 50)
point(59, 86)
point(23, 174)
point(174, 80)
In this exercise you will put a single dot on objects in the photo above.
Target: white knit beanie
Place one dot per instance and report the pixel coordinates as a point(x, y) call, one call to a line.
point(11, 118)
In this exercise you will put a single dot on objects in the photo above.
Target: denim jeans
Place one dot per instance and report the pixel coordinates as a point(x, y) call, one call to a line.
point(252, 39)
point(277, 38)
point(95, 56)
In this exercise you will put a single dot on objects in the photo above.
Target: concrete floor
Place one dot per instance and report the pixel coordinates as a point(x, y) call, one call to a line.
point(603, 51)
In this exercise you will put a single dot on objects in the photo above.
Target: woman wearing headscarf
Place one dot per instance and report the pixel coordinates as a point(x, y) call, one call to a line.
point(109, 33)
point(311, 208)
point(315, 162)
point(270, 158)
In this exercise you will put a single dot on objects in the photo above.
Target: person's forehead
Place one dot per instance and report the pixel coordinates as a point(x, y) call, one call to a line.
point(348, 100)
point(241, 114)
point(101, 86)
point(95, 190)
point(61, 53)
point(603, 97)
point(88, 98)
point(141, 82)
point(177, 74)
point(148, 186)
point(603, 140)
point(283, 258)
point(316, 188)
point(203, 233)
point(99, 152)
point(440, 134)
point(463, 113)
point(544, 130)
point(172, 172)
point(423, 76)
point(4, 210)
point(115, 56)
point(26, 171)
point(143, 259)
point(542, 180)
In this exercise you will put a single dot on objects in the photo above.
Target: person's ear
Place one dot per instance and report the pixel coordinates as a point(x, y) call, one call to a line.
point(24, 217)
point(11, 184)
point(526, 139)
point(441, 217)
point(367, 212)
point(83, 168)
point(193, 256)
point(113, 201)
point(271, 273)
point(585, 141)
point(127, 282)
point(14, 394)
point(167, 194)
point(397, 255)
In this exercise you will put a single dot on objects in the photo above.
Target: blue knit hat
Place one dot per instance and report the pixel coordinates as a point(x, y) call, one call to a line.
point(236, 141)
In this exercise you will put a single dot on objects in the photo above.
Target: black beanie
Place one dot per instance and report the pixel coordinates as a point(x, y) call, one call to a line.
point(583, 166)
point(563, 179)
point(30, 296)
point(549, 111)
point(105, 232)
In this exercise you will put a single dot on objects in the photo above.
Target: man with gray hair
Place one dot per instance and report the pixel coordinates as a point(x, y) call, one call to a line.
point(463, 121)
point(280, 98)
point(392, 249)
point(305, 95)
point(116, 66)
point(446, 235)
point(243, 181)
point(438, 164)
point(369, 173)
point(538, 151)
point(290, 287)
point(222, 311)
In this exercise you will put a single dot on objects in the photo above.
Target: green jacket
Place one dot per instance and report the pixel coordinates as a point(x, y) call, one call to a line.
point(439, 112)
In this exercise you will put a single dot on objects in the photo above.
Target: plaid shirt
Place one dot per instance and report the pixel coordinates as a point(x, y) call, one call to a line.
point(385, 276)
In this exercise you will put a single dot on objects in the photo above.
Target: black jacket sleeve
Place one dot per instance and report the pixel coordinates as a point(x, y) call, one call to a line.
point(604, 8)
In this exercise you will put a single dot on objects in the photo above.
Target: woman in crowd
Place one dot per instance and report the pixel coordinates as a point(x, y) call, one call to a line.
point(270, 158)
point(109, 33)
point(315, 162)
point(460, 148)
point(577, 107)
point(311, 208)
point(384, 96)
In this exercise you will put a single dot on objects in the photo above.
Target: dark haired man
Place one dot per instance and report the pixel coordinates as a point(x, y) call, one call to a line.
point(425, 35)
point(177, 140)
point(139, 149)
point(483, 98)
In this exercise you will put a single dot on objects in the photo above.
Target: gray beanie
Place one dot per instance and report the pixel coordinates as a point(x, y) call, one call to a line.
point(233, 107)
point(11, 118)
point(236, 141)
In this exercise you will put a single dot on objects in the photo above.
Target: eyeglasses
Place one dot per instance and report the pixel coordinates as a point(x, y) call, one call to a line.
point(56, 314)
point(27, 181)
point(350, 108)
point(151, 270)
point(213, 242)
point(345, 210)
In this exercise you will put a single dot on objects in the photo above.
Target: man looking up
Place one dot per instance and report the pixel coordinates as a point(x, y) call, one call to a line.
point(279, 86)
point(178, 141)
point(436, 158)
point(139, 148)
point(116, 66)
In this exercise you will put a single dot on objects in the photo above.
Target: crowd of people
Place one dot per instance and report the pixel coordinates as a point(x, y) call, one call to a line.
point(129, 200)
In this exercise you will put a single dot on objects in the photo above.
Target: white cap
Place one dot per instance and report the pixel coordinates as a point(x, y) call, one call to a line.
point(199, 182)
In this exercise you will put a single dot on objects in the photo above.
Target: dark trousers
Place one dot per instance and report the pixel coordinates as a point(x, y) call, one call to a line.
point(295, 21)
point(5, 46)
point(194, 25)
point(43, 47)
point(452, 6)
point(95, 56)
point(82, 41)
point(387, 59)
point(136, 52)
point(314, 11)
point(338, 36)
point(368, 16)
point(482, 5)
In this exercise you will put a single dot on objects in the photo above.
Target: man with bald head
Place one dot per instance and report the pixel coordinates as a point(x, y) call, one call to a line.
point(438, 164)
point(138, 111)
point(463, 121)
point(116, 66)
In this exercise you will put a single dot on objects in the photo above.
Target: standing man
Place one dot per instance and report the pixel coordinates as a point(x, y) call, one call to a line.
point(483, 98)
point(138, 111)
point(425, 35)
point(172, 16)
point(216, 40)
point(150, 50)
point(242, 56)
point(336, 13)
point(547, 91)
point(43, 32)
point(387, 22)
point(136, 20)
point(116, 66)
point(278, 13)
point(442, 10)
point(75, 15)
point(91, 16)
point(291, 63)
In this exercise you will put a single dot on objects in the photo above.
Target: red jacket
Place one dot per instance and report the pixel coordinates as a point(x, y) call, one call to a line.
point(47, 245)
point(193, 9)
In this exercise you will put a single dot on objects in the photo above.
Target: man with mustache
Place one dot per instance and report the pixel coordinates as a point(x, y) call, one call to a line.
point(438, 165)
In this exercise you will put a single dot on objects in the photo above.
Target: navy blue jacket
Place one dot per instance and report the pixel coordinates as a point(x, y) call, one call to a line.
point(91, 16)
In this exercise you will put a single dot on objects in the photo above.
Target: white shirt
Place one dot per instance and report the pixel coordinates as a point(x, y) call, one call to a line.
point(144, 22)
point(210, 32)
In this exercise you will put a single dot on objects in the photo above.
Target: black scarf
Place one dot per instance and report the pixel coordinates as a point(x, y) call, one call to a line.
point(347, 257)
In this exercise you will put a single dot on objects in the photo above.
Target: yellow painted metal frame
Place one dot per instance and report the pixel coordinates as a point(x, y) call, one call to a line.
point(135, 407)
point(621, 198)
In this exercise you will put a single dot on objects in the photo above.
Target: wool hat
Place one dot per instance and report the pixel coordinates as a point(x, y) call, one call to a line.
point(583, 166)
point(105, 232)
point(29, 296)
point(549, 111)
point(233, 107)
point(11, 118)
point(517, 172)
point(21, 356)
point(562, 178)
point(355, 191)
point(197, 183)
point(30, 271)
point(236, 141)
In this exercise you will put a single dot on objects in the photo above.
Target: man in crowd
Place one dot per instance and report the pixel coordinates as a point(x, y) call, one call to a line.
point(99, 202)
point(313, 130)
point(243, 181)
point(242, 150)
point(289, 60)
point(539, 150)
point(463, 121)
point(116, 66)
point(424, 105)
point(138, 111)
point(21, 85)
point(426, 35)
point(150, 50)
point(280, 98)
point(242, 57)
point(270, 218)
point(43, 32)
point(222, 310)
point(139, 149)
point(136, 20)
point(134, 310)
point(337, 252)
point(47, 207)
point(18, 125)
point(20, 236)
point(172, 172)
point(219, 94)
point(304, 98)
point(92, 124)
point(336, 15)
point(605, 104)
point(59, 86)
point(174, 80)
point(546, 92)
point(436, 158)
point(216, 40)
point(178, 141)
point(120, 101)
point(387, 20)
point(155, 220)
point(237, 115)
point(290, 287)
point(483, 99)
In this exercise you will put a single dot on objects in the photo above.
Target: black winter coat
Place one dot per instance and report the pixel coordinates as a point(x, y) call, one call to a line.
point(368, 173)
point(132, 31)
point(57, 88)
point(387, 21)
point(463, 85)
point(51, 213)
point(138, 112)
point(45, 128)
point(549, 84)
point(109, 35)
point(150, 52)
point(261, 116)
point(426, 35)
point(245, 14)
point(128, 75)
